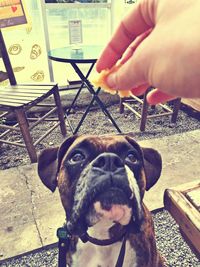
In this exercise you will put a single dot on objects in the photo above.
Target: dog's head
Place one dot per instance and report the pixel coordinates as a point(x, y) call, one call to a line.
point(100, 177)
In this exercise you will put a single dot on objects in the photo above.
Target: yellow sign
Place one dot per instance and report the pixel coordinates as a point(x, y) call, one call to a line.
point(12, 13)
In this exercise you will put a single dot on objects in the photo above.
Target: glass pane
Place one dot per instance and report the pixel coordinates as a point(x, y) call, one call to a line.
point(96, 29)
point(95, 25)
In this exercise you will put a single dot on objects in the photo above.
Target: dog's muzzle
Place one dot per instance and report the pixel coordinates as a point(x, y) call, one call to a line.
point(103, 189)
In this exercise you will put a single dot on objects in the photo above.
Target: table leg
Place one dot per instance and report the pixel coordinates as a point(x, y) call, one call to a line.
point(85, 114)
point(79, 90)
point(95, 97)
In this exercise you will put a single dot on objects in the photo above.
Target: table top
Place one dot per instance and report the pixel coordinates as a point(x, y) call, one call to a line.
point(72, 54)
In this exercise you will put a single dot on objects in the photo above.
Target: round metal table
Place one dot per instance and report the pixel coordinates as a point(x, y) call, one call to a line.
point(86, 54)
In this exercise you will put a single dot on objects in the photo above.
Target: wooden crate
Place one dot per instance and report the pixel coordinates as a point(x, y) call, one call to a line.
point(183, 203)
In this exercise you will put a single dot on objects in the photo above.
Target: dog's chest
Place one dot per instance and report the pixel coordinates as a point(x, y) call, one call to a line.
point(90, 255)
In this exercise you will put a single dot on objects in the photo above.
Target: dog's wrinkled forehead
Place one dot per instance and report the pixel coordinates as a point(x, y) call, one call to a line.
point(95, 145)
point(89, 147)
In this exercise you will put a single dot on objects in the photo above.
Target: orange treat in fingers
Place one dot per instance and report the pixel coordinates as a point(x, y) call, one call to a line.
point(100, 81)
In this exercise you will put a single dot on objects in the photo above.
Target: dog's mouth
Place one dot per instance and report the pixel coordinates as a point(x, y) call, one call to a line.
point(112, 203)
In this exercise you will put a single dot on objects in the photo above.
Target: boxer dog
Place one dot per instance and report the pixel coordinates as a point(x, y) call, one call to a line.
point(102, 181)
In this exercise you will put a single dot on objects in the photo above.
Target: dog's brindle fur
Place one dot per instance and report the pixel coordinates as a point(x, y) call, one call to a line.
point(55, 169)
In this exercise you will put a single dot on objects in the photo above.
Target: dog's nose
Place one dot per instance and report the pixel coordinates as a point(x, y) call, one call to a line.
point(108, 162)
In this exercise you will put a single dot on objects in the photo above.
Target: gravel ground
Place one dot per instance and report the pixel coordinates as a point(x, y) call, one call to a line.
point(171, 246)
point(97, 123)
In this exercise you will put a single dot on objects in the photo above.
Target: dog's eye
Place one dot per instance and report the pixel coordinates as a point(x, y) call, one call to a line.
point(131, 157)
point(77, 157)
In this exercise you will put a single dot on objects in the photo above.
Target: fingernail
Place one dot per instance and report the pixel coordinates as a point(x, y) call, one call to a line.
point(111, 80)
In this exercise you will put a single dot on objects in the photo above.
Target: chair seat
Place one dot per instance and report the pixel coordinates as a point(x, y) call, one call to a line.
point(17, 100)
point(23, 95)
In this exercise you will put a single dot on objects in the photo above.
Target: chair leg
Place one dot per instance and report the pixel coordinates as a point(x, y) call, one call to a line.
point(177, 104)
point(21, 118)
point(121, 106)
point(60, 111)
point(144, 112)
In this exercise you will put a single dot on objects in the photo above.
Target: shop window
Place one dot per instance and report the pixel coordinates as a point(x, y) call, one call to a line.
point(95, 18)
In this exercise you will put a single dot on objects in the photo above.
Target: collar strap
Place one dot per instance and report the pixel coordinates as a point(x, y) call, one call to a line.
point(103, 242)
point(106, 242)
point(120, 259)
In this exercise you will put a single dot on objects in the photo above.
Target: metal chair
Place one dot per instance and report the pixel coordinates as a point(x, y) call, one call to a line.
point(143, 115)
point(18, 99)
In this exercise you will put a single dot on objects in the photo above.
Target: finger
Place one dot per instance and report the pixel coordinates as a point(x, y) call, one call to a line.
point(140, 90)
point(130, 50)
point(135, 71)
point(156, 96)
point(138, 21)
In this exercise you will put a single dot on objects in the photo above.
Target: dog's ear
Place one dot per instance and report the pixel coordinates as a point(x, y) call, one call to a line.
point(49, 162)
point(152, 166)
point(47, 167)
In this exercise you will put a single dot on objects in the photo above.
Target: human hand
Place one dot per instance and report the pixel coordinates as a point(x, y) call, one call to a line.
point(158, 44)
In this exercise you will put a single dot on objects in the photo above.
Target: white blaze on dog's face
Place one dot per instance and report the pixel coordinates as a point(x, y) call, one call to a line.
point(103, 177)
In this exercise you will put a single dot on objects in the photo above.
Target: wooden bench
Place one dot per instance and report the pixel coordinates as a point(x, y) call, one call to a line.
point(183, 203)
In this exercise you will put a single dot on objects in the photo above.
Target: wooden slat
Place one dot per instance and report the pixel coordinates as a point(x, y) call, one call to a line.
point(7, 127)
point(187, 187)
point(8, 104)
point(159, 115)
point(22, 97)
point(8, 131)
point(137, 98)
point(165, 107)
point(4, 114)
point(194, 197)
point(51, 84)
point(15, 96)
point(11, 143)
point(17, 93)
point(47, 133)
point(26, 90)
point(132, 109)
point(14, 101)
point(29, 87)
point(43, 117)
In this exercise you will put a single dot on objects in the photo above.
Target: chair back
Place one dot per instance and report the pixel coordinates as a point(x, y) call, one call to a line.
point(6, 60)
